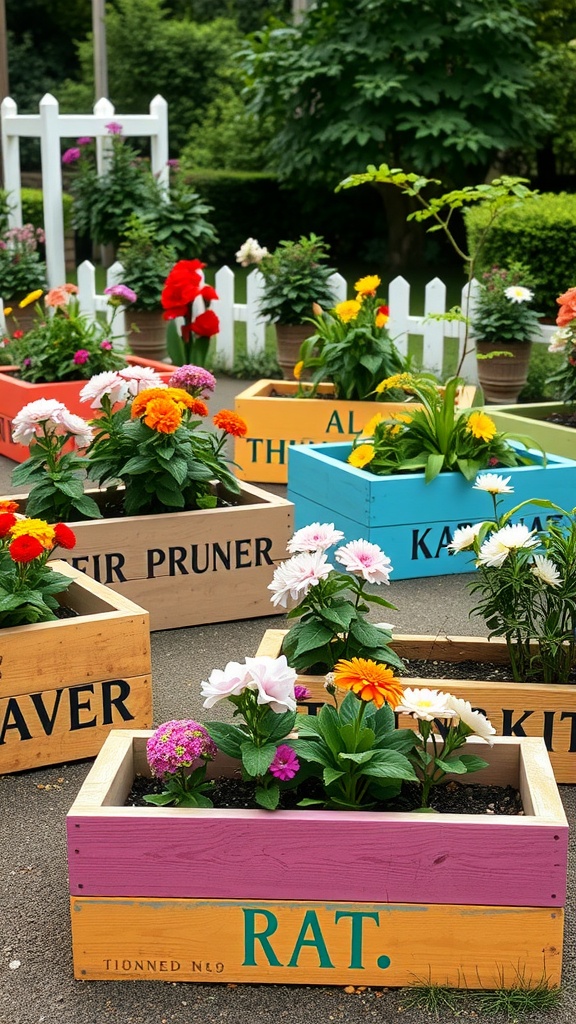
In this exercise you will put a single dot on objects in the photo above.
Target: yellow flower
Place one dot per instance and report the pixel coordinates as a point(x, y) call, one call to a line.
point(31, 297)
point(7, 310)
point(297, 371)
point(398, 380)
point(381, 319)
point(402, 417)
point(348, 310)
point(362, 455)
point(35, 528)
point(481, 426)
point(368, 285)
point(368, 430)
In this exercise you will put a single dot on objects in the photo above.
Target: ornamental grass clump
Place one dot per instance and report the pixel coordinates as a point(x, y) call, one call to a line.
point(434, 438)
point(28, 586)
point(65, 344)
point(526, 580)
point(351, 346)
point(332, 606)
point(147, 436)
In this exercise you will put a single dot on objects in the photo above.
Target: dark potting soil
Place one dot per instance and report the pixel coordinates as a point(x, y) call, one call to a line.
point(475, 670)
point(564, 419)
point(453, 798)
point(66, 613)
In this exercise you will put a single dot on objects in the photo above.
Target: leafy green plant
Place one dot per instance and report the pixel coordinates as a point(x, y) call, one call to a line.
point(502, 310)
point(28, 585)
point(21, 269)
point(146, 263)
point(295, 277)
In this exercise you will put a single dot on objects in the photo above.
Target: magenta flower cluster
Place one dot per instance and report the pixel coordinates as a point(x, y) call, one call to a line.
point(285, 764)
point(176, 745)
point(81, 356)
point(120, 294)
point(71, 155)
point(194, 379)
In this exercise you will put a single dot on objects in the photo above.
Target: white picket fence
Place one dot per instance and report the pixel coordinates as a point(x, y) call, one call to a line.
point(402, 324)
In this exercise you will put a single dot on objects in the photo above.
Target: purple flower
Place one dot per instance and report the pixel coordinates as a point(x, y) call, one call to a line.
point(84, 140)
point(26, 362)
point(285, 763)
point(71, 155)
point(114, 128)
point(81, 357)
point(194, 379)
point(178, 744)
point(106, 345)
point(120, 293)
point(175, 164)
point(302, 692)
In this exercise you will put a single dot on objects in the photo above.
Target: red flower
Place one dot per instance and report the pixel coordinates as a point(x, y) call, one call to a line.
point(206, 324)
point(64, 537)
point(208, 293)
point(25, 548)
point(7, 520)
point(181, 287)
point(17, 334)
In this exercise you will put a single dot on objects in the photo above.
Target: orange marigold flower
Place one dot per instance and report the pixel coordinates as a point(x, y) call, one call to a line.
point(37, 528)
point(140, 402)
point(9, 506)
point(180, 396)
point(231, 423)
point(369, 681)
point(25, 549)
point(163, 415)
point(197, 406)
point(297, 371)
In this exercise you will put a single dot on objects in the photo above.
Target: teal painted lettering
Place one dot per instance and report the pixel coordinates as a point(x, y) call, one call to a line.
point(280, 451)
point(251, 936)
point(351, 427)
point(335, 423)
point(510, 728)
point(418, 544)
point(316, 941)
point(357, 918)
point(254, 441)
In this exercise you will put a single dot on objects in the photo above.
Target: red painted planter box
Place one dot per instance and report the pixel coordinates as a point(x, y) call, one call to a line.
point(15, 394)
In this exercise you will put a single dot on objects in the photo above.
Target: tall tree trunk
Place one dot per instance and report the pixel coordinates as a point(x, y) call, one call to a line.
point(405, 237)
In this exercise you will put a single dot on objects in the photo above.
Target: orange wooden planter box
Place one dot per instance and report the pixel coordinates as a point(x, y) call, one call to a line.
point(318, 897)
point(65, 684)
point(277, 420)
point(546, 710)
point(15, 394)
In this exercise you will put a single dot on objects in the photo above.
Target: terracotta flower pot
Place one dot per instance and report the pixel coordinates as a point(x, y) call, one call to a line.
point(289, 338)
point(503, 377)
point(146, 330)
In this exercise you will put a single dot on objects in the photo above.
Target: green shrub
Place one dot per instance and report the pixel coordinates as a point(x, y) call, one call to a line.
point(541, 233)
point(33, 210)
point(542, 364)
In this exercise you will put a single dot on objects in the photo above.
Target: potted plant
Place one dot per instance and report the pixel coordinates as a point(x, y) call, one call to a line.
point(504, 325)
point(22, 274)
point(295, 278)
point(527, 583)
point(62, 350)
point(552, 423)
point(407, 482)
point(495, 899)
point(55, 618)
point(171, 515)
point(187, 296)
point(348, 355)
point(145, 266)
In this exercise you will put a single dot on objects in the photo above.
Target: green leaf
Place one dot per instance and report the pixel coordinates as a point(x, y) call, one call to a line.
point(358, 757)
point(228, 738)
point(87, 507)
point(453, 765)
point(257, 760)
point(160, 799)
point(268, 796)
point(473, 763)
point(331, 775)
point(277, 726)
point(389, 764)
point(312, 635)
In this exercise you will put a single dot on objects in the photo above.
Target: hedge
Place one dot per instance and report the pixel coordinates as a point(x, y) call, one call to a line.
point(541, 233)
point(33, 210)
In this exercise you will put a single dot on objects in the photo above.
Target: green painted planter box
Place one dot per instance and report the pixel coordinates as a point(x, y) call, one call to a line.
point(531, 419)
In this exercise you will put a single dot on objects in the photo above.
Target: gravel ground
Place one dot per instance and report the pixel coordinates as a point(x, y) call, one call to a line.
point(36, 979)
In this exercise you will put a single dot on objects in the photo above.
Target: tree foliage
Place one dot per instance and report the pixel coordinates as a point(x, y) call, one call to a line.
point(439, 86)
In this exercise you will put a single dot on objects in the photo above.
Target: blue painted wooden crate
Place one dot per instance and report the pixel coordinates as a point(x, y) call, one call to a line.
point(411, 520)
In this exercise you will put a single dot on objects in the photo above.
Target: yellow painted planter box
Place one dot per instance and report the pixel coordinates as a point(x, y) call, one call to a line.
point(547, 710)
point(277, 420)
point(309, 897)
point(66, 683)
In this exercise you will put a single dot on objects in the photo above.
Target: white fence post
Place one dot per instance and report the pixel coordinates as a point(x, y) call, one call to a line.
point(159, 142)
point(255, 325)
point(433, 330)
point(224, 309)
point(399, 305)
point(103, 108)
point(467, 360)
point(52, 191)
point(117, 314)
point(11, 156)
point(87, 289)
point(339, 286)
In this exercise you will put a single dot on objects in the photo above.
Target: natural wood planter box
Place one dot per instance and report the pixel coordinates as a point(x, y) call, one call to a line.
point(65, 684)
point(413, 521)
point(554, 437)
point(189, 568)
point(277, 420)
point(546, 710)
point(179, 894)
point(15, 394)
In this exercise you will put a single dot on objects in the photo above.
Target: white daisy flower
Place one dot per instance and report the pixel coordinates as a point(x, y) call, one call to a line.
point(496, 549)
point(424, 704)
point(518, 294)
point(463, 537)
point(545, 569)
point(493, 483)
point(475, 720)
